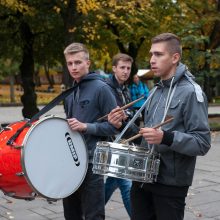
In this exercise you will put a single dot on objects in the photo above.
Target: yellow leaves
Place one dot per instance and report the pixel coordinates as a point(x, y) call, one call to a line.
point(111, 3)
point(90, 32)
point(168, 18)
point(85, 6)
point(72, 30)
point(99, 17)
point(8, 62)
point(112, 16)
point(215, 64)
point(101, 57)
point(119, 7)
point(56, 9)
point(17, 6)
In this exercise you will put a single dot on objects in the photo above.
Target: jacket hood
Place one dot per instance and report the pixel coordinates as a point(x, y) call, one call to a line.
point(90, 76)
point(112, 82)
point(181, 71)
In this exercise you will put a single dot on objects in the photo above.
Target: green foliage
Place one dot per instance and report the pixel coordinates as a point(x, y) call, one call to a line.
point(8, 67)
point(108, 27)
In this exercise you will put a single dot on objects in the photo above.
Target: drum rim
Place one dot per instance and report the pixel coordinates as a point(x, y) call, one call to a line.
point(133, 148)
point(23, 155)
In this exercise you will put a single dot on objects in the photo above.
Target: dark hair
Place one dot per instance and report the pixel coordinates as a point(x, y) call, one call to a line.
point(121, 56)
point(173, 42)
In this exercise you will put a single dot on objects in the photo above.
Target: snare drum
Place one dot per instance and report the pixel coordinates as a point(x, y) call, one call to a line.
point(125, 161)
point(47, 159)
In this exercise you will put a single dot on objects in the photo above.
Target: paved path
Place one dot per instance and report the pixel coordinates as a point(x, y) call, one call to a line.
point(12, 114)
point(214, 109)
point(203, 200)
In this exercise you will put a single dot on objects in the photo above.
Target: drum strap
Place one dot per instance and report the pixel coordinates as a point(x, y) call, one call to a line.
point(135, 116)
point(45, 109)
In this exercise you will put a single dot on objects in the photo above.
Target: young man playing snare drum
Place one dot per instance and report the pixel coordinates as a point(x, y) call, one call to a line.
point(179, 142)
point(91, 99)
point(121, 66)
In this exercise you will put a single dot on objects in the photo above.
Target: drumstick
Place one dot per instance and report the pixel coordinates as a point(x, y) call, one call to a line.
point(123, 107)
point(156, 126)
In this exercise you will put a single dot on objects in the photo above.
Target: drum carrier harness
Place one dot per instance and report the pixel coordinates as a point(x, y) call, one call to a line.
point(45, 109)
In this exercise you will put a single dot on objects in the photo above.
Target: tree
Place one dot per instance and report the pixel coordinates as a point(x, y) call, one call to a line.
point(9, 67)
point(202, 41)
point(25, 22)
point(127, 24)
point(37, 31)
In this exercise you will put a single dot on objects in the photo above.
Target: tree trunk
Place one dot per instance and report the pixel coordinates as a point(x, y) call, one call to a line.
point(70, 17)
point(49, 78)
point(218, 85)
point(29, 97)
point(12, 90)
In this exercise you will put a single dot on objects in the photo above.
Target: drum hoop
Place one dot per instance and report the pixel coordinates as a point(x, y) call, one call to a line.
point(132, 148)
point(23, 155)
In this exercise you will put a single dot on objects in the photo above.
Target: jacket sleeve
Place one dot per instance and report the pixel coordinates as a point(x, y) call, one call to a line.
point(195, 140)
point(106, 102)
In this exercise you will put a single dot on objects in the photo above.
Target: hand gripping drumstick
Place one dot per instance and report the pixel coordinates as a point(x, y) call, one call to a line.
point(123, 107)
point(156, 126)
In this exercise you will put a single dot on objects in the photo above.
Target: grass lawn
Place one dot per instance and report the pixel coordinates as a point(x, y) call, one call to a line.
point(43, 96)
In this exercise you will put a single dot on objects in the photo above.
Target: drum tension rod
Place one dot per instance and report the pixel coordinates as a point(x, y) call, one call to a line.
point(13, 138)
point(6, 128)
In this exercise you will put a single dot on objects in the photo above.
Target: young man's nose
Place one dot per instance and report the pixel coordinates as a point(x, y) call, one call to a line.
point(73, 66)
point(152, 60)
point(127, 71)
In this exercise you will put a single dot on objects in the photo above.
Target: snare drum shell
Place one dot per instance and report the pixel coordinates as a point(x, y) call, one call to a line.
point(126, 162)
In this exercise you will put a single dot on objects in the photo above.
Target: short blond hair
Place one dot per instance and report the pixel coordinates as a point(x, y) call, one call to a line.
point(76, 48)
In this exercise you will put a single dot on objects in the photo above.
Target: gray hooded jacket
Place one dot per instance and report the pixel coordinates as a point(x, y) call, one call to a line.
point(91, 99)
point(190, 128)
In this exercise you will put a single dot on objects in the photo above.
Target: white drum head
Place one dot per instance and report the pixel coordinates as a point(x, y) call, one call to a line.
point(54, 158)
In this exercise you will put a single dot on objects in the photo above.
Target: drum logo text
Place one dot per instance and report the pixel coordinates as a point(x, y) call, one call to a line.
point(72, 149)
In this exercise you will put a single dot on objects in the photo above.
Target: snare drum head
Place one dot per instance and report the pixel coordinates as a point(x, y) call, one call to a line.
point(54, 158)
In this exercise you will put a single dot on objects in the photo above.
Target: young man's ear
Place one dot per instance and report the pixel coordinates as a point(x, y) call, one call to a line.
point(176, 58)
point(88, 63)
point(113, 69)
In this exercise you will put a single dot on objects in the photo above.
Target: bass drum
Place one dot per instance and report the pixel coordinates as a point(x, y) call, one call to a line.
point(47, 159)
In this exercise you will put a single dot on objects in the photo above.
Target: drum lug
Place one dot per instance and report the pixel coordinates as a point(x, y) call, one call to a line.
point(11, 194)
point(6, 128)
point(20, 174)
point(29, 199)
point(33, 194)
point(17, 147)
point(50, 201)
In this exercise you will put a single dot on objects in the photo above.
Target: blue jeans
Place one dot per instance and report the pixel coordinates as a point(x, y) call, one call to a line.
point(124, 185)
point(87, 202)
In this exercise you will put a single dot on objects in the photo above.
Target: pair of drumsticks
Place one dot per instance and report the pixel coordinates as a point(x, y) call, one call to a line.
point(168, 120)
point(123, 107)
